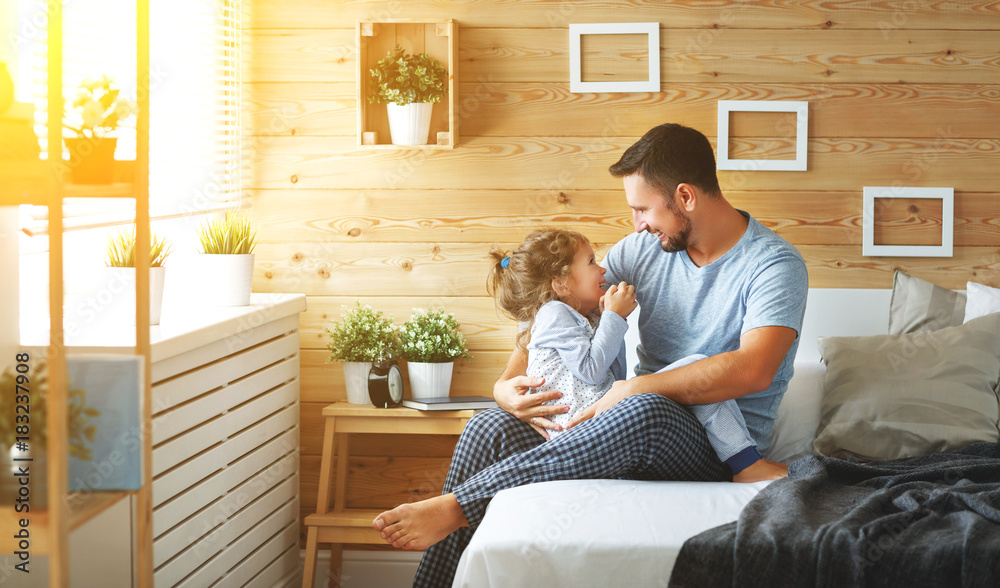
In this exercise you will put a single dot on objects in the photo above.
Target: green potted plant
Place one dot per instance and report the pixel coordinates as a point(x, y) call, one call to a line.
point(227, 245)
point(97, 111)
point(120, 252)
point(408, 85)
point(430, 342)
point(80, 430)
point(363, 336)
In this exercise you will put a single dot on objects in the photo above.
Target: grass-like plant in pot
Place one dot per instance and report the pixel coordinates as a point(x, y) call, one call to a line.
point(361, 337)
point(80, 428)
point(408, 85)
point(97, 111)
point(430, 342)
point(227, 245)
point(121, 249)
point(120, 252)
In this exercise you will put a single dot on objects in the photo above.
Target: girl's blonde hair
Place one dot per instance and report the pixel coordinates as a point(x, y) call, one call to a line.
point(521, 288)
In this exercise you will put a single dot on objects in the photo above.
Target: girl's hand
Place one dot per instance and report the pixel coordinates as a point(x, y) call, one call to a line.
point(620, 299)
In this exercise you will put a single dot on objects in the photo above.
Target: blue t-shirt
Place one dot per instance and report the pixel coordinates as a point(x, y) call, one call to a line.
point(685, 309)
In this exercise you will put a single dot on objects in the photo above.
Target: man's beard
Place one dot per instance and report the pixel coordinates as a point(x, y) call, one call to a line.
point(678, 242)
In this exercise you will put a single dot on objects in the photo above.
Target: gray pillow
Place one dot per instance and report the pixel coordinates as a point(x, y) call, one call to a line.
point(918, 305)
point(892, 396)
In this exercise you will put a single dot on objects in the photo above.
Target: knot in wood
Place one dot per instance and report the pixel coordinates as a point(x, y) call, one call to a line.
point(407, 266)
point(354, 232)
point(324, 273)
point(563, 198)
point(912, 209)
point(268, 275)
point(297, 257)
point(294, 179)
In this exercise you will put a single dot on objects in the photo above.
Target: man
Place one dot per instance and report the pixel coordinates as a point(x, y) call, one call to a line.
point(710, 280)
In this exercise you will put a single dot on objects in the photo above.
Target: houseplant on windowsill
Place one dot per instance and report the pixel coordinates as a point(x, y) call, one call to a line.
point(227, 246)
point(430, 343)
point(408, 85)
point(121, 266)
point(97, 111)
point(80, 431)
point(362, 337)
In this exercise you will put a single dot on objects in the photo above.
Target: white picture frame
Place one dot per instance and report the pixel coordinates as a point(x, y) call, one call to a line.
point(650, 29)
point(801, 110)
point(945, 249)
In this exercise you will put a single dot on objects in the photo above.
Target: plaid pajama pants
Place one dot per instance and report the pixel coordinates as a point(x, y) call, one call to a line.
point(644, 437)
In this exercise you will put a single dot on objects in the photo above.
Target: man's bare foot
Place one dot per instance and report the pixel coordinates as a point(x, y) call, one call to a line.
point(762, 469)
point(418, 525)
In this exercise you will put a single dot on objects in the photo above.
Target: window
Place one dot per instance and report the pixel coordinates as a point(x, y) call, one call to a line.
point(194, 132)
point(194, 98)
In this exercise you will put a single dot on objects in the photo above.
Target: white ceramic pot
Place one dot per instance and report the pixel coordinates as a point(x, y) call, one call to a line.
point(409, 124)
point(429, 380)
point(356, 381)
point(121, 282)
point(226, 279)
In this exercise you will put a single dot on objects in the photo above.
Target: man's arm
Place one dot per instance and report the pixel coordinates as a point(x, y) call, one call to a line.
point(725, 376)
point(511, 392)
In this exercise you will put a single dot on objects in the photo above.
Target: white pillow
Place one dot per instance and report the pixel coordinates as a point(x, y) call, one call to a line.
point(798, 414)
point(982, 300)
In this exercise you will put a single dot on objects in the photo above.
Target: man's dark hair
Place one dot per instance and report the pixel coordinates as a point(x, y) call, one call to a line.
point(668, 155)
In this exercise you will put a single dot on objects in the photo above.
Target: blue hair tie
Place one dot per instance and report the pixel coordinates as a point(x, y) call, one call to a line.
point(505, 262)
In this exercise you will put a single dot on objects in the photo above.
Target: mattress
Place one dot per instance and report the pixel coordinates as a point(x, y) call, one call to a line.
point(628, 533)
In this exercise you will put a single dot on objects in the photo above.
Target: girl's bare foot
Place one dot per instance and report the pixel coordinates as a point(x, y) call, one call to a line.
point(418, 525)
point(762, 469)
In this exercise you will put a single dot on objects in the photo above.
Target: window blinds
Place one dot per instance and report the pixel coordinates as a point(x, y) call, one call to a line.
point(194, 98)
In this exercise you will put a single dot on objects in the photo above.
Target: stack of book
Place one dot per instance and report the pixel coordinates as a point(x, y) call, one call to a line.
point(450, 403)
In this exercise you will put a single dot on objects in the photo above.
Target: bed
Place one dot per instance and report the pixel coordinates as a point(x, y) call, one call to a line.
point(630, 533)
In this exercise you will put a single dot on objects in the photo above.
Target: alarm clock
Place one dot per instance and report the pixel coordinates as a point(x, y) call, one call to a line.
point(385, 384)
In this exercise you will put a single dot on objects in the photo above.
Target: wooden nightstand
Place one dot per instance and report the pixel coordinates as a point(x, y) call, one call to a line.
point(335, 524)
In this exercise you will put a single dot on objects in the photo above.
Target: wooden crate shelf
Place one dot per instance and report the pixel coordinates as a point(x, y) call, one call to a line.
point(374, 41)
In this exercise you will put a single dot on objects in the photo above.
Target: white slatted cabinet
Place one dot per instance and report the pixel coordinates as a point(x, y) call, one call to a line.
point(225, 456)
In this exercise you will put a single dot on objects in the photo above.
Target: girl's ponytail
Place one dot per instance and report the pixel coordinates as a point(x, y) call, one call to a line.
point(520, 280)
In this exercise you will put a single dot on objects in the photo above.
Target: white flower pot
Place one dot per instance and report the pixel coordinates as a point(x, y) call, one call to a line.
point(226, 279)
point(356, 381)
point(409, 124)
point(429, 380)
point(122, 280)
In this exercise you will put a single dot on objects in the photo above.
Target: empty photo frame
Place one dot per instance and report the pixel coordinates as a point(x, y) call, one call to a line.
point(798, 107)
point(650, 29)
point(872, 193)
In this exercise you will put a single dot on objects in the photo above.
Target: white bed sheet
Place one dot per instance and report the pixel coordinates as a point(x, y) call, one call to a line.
point(628, 532)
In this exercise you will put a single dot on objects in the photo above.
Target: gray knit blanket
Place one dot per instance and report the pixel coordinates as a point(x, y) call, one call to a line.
point(932, 520)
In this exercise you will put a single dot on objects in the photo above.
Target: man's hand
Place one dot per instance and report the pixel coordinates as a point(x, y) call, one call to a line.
point(618, 391)
point(514, 395)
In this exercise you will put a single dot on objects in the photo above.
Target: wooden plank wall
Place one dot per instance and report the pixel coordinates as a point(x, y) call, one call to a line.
point(901, 93)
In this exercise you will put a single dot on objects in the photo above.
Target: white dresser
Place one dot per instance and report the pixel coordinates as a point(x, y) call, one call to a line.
point(226, 450)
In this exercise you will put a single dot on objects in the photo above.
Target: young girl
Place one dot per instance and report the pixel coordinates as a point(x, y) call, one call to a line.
point(552, 283)
point(575, 333)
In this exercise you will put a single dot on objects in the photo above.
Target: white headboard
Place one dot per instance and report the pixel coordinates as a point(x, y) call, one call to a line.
point(830, 312)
